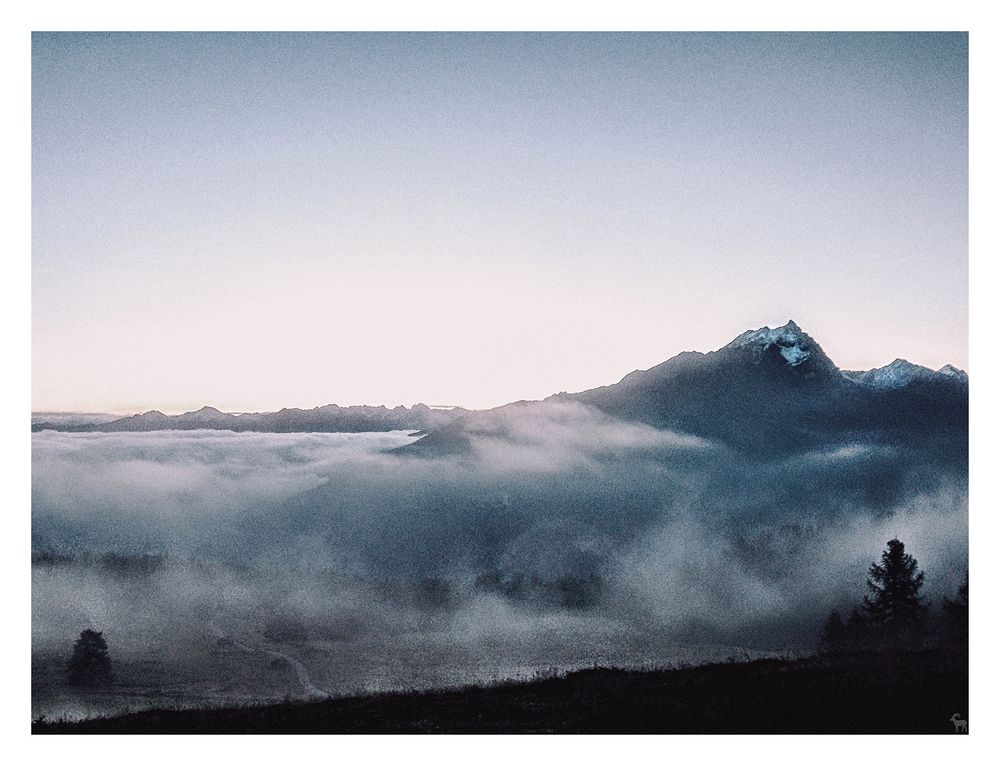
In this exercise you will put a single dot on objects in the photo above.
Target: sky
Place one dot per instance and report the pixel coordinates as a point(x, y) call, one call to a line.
point(254, 221)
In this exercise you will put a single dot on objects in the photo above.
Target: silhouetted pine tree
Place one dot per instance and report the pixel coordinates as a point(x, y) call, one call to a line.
point(893, 603)
point(90, 664)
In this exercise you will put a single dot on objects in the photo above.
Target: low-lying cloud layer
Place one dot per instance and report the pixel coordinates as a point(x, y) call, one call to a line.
point(562, 536)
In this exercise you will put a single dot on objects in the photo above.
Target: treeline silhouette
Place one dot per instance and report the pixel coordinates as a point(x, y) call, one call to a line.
point(894, 616)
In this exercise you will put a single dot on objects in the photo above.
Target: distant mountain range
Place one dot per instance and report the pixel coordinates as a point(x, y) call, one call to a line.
point(330, 418)
point(767, 391)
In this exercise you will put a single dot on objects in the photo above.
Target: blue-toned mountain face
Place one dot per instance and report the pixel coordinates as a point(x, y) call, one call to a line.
point(772, 392)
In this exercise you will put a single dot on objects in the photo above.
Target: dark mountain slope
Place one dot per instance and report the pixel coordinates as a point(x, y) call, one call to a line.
point(768, 392)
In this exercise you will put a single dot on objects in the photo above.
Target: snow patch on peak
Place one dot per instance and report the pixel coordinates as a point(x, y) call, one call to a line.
point(794, 355)
point(953, 372)
point(793, 344)
point(896, 374)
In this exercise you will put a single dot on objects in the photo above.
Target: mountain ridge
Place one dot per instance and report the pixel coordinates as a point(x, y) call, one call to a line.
point(768, 391)
point(786, 355)
point(326, 418)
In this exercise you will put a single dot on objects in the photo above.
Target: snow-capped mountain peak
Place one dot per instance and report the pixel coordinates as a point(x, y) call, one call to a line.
point(792, 343)
point(900, 372)
point(954, 372)
point(896, 374)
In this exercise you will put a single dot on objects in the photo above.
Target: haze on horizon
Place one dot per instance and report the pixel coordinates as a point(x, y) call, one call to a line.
point(256, 221)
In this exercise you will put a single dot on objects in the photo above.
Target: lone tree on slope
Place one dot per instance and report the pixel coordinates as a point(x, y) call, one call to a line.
point(893, 602)
point(90, 664)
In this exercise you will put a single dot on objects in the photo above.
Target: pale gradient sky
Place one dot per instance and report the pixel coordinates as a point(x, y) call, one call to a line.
point(256, 221)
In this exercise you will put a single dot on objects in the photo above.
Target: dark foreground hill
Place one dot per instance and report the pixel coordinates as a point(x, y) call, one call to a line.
point(915, 693)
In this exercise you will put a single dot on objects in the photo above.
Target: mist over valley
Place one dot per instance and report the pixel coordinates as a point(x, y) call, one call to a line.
point(718, 505)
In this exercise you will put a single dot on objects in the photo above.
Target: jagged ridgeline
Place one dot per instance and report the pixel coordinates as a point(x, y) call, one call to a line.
point(326, 419)
point(768, 392)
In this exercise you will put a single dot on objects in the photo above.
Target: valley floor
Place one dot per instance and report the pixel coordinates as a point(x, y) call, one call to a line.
point(917, 693)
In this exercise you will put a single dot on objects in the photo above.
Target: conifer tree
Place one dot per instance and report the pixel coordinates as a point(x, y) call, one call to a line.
point(893, 603)
point(90, 664)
